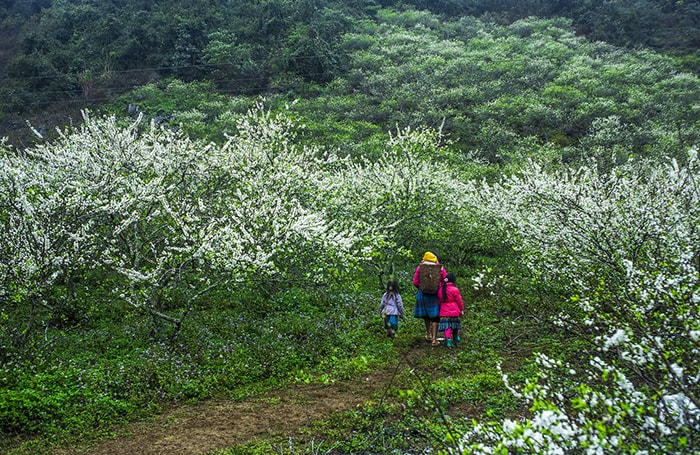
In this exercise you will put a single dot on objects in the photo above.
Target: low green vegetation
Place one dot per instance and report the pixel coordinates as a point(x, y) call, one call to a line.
point(125, 373)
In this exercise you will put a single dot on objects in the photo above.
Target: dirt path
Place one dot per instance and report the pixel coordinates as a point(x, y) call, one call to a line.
point(221, 424)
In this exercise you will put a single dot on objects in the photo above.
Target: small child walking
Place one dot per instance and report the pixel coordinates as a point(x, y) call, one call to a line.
point(451, 310)
point(391, 308)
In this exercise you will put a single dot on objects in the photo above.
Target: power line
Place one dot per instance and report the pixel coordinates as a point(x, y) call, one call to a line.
point(78, 99)
point(263, 61)
point(73, 94)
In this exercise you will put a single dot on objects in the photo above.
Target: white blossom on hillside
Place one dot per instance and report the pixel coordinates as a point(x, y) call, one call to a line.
point(167, 219)
point(624, 245)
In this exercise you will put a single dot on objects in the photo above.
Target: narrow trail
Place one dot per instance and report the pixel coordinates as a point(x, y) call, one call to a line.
point(220, 424)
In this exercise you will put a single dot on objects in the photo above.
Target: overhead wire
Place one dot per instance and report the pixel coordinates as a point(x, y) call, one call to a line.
point(74, 96)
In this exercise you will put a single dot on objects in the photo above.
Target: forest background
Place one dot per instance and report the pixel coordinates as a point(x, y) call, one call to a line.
point(231, 184)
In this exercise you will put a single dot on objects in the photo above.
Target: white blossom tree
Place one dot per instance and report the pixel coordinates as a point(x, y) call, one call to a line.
point(624, 245)
point(167, 219)
point(275, 213)
point(44, 234)
point(401, 201)
point(171, 217)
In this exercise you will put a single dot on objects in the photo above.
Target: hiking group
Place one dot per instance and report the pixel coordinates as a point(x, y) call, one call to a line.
point(438, 302)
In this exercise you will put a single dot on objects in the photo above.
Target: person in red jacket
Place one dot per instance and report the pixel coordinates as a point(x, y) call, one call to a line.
point(451, 309)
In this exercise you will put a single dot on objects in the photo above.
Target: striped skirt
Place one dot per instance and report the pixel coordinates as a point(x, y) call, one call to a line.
point(453, 323)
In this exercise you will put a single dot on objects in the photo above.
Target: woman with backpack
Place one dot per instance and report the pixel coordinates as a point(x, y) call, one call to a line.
point(429, 274)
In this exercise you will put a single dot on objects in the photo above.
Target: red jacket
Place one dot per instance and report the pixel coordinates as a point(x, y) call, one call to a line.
point(451, 304)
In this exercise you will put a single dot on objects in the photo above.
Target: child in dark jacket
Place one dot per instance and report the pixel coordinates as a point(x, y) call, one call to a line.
point(451, 310)
point(391, 308)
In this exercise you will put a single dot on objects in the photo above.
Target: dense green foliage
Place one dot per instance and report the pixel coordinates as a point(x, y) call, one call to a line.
point(502, 93)
point(264, 168)
point(87, 52)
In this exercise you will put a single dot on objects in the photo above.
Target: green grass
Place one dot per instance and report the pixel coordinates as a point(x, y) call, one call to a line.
point(73, 392)
point(72, 387)
point(433, 397)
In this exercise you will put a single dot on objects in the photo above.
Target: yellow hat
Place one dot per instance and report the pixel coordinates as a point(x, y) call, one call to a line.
point(429, 257)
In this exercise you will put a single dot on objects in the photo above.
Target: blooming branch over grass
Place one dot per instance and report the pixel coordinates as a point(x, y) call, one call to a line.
point(400, 199)
point(624, 245)
point(171, 216)
point(168, 219)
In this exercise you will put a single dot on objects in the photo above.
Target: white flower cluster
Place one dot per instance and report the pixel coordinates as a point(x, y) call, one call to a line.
point(174, 218)
point(395, 199)
point(625, 242)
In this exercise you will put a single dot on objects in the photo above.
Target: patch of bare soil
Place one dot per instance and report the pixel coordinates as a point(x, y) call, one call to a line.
point(221, 424)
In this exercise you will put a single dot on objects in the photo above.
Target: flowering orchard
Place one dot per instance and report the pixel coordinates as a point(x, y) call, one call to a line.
point(142, 217)
point(623, 245)
point(402, 201)
point(164, 219)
